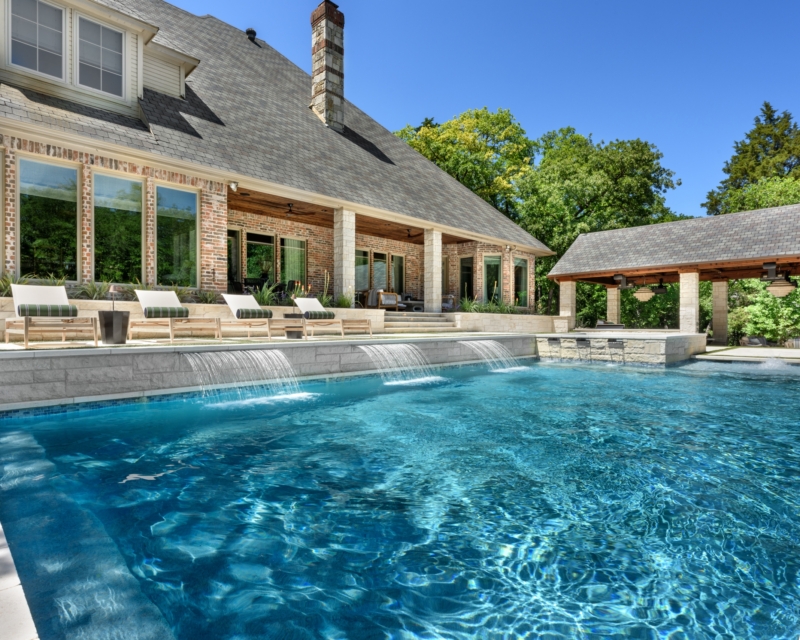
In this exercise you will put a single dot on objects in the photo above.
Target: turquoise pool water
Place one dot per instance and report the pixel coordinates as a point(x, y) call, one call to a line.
point(554, 501)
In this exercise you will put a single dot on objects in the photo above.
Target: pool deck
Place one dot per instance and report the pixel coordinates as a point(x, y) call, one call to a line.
point(17, 622)
point(750, 354)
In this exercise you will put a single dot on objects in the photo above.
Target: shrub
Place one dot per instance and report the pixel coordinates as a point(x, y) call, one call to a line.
point(7, 280)
point(184, 293)
point(93, 290)
point(207, 297)
point(266, 296)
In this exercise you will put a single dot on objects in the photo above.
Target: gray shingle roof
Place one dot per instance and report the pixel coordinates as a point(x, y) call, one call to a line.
point(766, 233)
point(247, 112)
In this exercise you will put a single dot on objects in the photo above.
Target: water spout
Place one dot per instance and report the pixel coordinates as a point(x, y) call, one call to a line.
point(400, 363)
point(499, 358)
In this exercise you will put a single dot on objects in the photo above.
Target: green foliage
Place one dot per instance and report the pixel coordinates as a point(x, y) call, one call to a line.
point(266, 296)
point(767, 192)
point(129, 291)
point(207, 297)
point(8, 279)
point(52, 280)
point(325, 299)
point(777, 319)
point(660, 312)
point(184, 293)
point(737, 324)
point(771, 149)
point(486, 152)
point(48, 239)
point(118, 241)
point(343, 301)
point(469, 305)
point(94, 290)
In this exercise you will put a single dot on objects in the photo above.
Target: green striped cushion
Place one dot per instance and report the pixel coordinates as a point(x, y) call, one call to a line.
point(166, 312)
point(48, 310)
point(319, 315)
point(253, 314)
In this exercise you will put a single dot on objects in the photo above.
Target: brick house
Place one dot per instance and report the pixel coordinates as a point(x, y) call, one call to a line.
point(141, 142)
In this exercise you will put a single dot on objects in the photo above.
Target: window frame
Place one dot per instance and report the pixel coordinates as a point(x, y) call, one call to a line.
point(123, 176)
point(245, 255)
point(486, 297)
point(35, 72)
point(278, 257)
point(514, 279)
point(76, 58)
point(33, 157)
point(198, 235)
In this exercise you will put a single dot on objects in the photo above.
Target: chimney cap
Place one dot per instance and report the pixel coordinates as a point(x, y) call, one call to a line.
point(251, 33)
point(329, 10)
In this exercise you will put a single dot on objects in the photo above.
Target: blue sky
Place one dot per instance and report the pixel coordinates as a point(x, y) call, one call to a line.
point(687, 76)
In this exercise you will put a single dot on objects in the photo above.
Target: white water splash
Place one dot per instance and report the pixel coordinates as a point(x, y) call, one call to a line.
point(500, 359)
point(400, 363)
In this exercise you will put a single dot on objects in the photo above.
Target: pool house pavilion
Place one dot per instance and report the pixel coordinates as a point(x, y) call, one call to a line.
point(143, 143)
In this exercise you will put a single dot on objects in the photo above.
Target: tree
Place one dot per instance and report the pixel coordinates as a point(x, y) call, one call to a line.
point(486, 152)
point(771, 149)
point(578, 186)
point(767, 192)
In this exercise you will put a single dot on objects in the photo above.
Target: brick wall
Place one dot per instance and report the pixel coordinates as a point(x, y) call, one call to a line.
point(212, 261)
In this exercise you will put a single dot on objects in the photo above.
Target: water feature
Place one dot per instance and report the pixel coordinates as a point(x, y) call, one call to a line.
point(400, 363)
point(243, 370)
point(499, 359)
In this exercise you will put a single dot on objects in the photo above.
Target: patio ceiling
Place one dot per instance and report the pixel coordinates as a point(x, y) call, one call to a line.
point(250, 201)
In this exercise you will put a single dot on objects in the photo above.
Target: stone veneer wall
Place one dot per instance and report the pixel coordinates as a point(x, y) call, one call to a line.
point(213, 208)
point(31, 379)
point(652, 349)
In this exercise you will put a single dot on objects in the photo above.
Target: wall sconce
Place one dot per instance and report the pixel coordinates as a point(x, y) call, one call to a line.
point(233, 185)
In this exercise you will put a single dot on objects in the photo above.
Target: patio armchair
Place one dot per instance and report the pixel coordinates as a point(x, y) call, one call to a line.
point(162, 309)
point(388, 300)
point(753, 341)
point(315, 315)
point(43, 309)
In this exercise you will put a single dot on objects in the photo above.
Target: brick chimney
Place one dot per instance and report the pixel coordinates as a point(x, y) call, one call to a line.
point(327, 70)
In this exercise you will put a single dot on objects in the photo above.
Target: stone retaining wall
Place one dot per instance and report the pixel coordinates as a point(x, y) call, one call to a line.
point(43, 378)
point(501, 322)
point(652, 349)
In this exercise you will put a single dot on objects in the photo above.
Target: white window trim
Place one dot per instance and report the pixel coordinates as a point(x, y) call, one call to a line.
point(79, 222)
point(123, 176)
point(196, 192)
point(64, 53)
point(76, 58)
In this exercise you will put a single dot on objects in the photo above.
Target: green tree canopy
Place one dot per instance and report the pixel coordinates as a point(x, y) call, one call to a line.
point(767, 192)
point(771, 149)
point(486, 152)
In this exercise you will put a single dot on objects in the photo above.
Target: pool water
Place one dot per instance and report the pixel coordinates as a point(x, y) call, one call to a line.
point(552, 501)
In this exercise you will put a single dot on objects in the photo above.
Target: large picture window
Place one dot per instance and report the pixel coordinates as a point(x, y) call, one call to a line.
point(37, 37)
point(176, 231)
point(379, 273)
point(293, 260)
point(491, 278)
point(521, 282)
point(99, 57)
point(398, 274)
point(260, 256)
point(48, 219)
point(362, 270)
point(117, 229)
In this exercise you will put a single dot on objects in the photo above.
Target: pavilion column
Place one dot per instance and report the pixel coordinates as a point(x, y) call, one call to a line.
point(690, 302)
point(719, 318)
point(433, 271)
point(344, 253)
point(612, 304)
point(568, 305)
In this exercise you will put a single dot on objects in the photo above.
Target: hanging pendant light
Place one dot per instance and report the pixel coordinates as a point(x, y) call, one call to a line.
point(643, 294)
point(782, 288)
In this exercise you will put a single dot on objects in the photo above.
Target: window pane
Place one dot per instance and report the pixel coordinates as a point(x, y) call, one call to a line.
point(521, 282)
point(465, 278)
point(23, 30)
point(293, 260)
point(379, 280)
point(260, 260)
point(90, 31)
point(491, 278)
point(50, 16)
point(50, 40)
point(112, 83)
point(362, 270)
point(48, 219)
point(398, 274)
point(176, 230)
point(50, 63)
point(112, 61)
point(90, 76)
point(112, 40)
point(90, 53)
point(23, 55)
point(24, 8)
point(117, 229)
point(445, 276)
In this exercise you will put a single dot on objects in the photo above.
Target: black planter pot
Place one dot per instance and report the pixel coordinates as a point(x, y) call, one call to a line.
point(114, 326)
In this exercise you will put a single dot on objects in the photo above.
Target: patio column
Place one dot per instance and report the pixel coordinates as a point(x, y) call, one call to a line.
point(567, 297)
point(719, 318)
point(612, 304)
point(690, 302)
point(344, 253)
point(433, 271)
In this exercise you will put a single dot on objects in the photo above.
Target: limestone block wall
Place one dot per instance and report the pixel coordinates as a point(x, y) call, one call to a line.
point(45, 378)
point(647, 349)
point(501, 322)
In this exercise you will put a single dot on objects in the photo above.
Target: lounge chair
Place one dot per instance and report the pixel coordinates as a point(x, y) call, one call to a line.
point(43, 309)
point(387, 300)
point(753, 341)
point(248, 313)
point(315, 315)
point(163, 309)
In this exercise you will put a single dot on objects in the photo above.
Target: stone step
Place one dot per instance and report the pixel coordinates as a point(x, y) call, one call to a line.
point(413, 319)
point(423, 329)
point(414, 314)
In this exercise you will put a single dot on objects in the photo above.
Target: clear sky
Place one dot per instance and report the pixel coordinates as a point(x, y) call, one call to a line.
point(687, 76)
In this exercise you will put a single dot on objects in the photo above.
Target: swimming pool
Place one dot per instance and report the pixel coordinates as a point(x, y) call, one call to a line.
point(553, 501)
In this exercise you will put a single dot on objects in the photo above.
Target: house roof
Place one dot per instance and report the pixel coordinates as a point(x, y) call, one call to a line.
point(247, 113)
point(737, 237)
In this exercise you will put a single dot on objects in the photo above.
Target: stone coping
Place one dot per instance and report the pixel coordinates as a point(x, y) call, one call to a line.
point(636, 334)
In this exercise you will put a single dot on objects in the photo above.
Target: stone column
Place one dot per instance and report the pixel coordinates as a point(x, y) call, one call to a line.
point(567, 296)
point(344, 252)
point(690, 302)
point(433, 271)
point(612, 305)
point(719, 319)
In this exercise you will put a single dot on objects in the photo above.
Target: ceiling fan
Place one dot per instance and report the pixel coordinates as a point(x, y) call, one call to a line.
point(291, 212)
point(411, 237)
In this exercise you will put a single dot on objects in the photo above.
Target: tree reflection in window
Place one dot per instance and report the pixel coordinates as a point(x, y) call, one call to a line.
point(176, 230)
